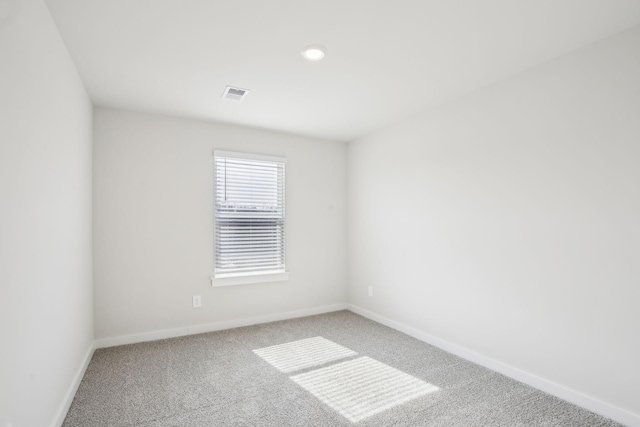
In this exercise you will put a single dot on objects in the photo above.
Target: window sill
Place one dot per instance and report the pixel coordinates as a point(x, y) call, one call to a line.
point(248, 278)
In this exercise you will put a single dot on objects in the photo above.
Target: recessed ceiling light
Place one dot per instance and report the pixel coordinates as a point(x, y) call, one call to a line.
point(313, 53)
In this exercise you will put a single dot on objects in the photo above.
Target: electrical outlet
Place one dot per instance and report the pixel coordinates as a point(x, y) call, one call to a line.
point(370, 291)
point(197, 301)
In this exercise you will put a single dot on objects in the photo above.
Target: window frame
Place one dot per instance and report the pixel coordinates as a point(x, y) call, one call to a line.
point(246, 277)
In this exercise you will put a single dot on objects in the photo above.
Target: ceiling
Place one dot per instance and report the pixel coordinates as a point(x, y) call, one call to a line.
point(385, 59)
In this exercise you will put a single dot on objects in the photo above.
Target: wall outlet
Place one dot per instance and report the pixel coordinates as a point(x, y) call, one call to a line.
point(370, 291)
point(197, 301)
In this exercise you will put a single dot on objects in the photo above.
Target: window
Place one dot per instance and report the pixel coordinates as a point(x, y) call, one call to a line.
point(249, 218)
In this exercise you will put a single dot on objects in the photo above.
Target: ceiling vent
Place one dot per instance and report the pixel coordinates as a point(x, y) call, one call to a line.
point(234, 93)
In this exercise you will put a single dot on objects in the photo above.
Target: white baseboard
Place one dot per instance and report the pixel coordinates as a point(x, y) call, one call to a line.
point(216, 326)
point(73, 388)
point(573, 396)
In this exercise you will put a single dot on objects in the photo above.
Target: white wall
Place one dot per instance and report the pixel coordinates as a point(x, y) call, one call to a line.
point(153, 223)
point(508, 222)
point(46, 303)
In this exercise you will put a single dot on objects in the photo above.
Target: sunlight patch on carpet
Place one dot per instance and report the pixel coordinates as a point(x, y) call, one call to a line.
point(297, 355)
point(362, 387)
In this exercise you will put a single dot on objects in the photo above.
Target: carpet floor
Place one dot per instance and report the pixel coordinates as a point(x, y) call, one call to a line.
point(335, 369)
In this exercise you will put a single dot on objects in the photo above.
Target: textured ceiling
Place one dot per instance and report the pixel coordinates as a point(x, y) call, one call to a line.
point(385, 59)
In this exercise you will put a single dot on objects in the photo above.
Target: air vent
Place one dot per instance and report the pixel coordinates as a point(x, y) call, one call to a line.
point(234, 93)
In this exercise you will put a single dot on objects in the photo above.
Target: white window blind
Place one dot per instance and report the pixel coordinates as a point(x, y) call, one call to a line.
point(249, 213)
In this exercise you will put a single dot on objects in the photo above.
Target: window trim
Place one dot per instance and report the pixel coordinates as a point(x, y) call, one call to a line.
point(231, 279)
point(247, 277)
point(249, 156)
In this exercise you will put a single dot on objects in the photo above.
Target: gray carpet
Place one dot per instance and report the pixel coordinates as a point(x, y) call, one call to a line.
point(216, 379)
